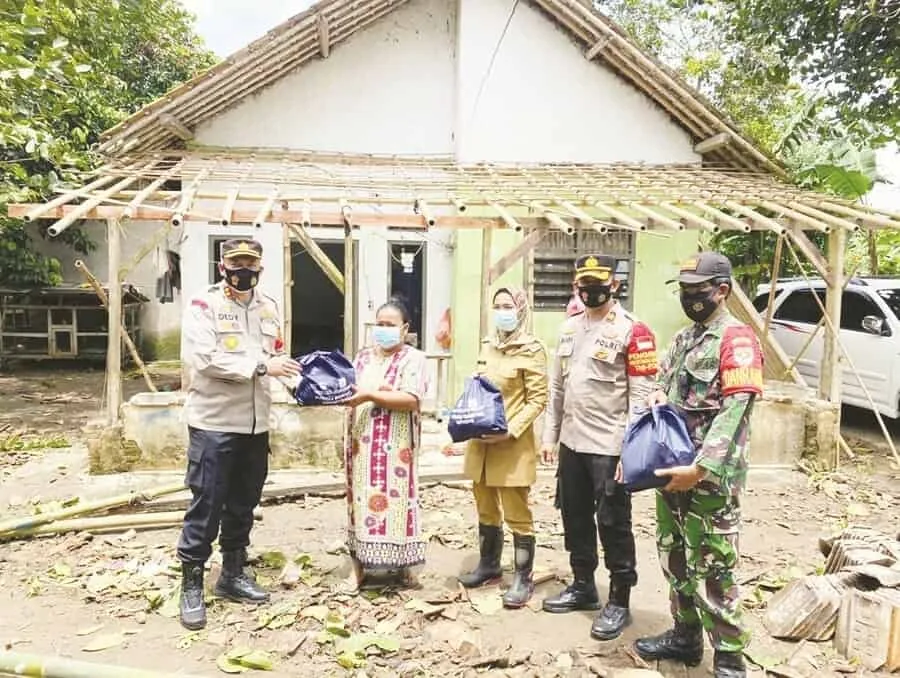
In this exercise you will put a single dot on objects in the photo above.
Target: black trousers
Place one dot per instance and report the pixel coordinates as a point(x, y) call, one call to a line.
point(226, 473)
point(593, 503)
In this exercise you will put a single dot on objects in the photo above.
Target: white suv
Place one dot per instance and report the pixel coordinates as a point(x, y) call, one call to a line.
point(870, 332)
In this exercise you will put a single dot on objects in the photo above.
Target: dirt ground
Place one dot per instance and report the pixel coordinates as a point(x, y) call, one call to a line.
point(109, 599)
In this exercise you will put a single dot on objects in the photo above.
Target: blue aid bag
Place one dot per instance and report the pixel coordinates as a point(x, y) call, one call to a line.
point(658, 439)
point(326, 378)
point(479, 411)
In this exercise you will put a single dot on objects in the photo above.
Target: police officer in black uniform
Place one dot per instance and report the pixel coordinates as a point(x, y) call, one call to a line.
point(231, 345)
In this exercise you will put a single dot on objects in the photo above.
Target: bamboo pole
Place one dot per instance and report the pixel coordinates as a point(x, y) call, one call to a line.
point(117, 522)
point(555, 220)
point(690, 216)
point(288, 320)
point(306, 214)
point(37, 666)
point(104, 301)
point(719, 215)
point(346, 213)
point(349, 291)
point(114, 325)
point(323, 261)
point(88, 205)
point(150, 189)
point(263, 215)
point(507, 218)
point(577, 212)
point(423, 209)
point(656, 216)
point(803, 219)
point(459, 204)
point(42, 208)
point(755, 216)
point(228, 206)
point(824, 216)
point(776, 269)
point(88, 507)
point(830, 379)
point(622, 220)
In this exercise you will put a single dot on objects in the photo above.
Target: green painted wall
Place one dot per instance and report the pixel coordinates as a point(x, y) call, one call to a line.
point(656, 260)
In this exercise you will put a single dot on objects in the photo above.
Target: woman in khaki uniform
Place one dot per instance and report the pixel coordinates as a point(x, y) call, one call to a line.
point(504, 467)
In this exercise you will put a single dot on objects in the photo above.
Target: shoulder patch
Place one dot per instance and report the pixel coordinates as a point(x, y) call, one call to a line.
point(199, 303)
point(640, 356)
point(740, 361)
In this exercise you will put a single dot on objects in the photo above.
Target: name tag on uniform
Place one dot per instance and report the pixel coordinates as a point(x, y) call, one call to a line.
point(227, 320)
point(566, 344)
point(606, 350)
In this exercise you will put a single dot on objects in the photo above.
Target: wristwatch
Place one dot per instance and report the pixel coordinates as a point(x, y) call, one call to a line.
point(261, 369)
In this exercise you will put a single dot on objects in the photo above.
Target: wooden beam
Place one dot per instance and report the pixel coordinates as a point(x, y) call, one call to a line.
point(322, 29)
point(349, 293)
point(713, 143)
point(318, 255)
point(172, 124)
point(114, 325)
point(288, 306)
point(591, 53)
point(487, 243)
point(812, 253)
point(830, 383)
point(511, 258)
point(412, 222)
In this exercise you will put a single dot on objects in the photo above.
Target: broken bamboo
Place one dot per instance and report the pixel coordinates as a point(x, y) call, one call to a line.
point(129, 344)
point(80, 509)
point(37, 666)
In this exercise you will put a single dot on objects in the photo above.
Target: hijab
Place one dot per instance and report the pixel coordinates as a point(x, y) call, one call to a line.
point(516, 337)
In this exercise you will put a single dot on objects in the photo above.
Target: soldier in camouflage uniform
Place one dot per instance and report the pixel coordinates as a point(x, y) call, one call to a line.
point(712, 373)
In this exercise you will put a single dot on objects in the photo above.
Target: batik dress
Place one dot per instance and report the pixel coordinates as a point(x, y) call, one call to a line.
point(381, 454)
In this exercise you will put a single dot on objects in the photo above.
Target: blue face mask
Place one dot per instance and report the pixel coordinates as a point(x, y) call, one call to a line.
point(505, 319)
point(386, 336)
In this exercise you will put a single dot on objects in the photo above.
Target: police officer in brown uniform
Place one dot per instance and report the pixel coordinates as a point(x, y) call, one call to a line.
point(231, 345)
point(605, 367)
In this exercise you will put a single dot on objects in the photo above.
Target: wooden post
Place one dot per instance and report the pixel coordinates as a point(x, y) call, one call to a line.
point(830, 383)
point(349, 296)
point(487, 241)
point(114, 325)
point(288, 313)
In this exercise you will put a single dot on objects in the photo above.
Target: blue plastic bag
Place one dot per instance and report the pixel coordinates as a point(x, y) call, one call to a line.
point(479, 411)
point(656, 440)
point(326, 378)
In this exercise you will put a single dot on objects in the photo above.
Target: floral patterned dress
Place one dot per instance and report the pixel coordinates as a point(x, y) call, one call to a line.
point(381, 453)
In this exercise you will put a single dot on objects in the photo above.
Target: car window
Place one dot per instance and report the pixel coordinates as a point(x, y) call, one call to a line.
point(800, 306)
point(856, 306)
point(762, 301)
point(892, 299)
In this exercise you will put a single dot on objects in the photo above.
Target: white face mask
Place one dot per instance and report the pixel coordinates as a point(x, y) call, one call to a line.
point(505, 319)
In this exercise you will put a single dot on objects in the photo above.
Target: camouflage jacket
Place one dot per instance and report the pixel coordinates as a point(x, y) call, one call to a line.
point(713, 375)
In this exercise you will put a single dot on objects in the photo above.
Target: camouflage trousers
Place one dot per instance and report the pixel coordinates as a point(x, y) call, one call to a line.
point(697, 539)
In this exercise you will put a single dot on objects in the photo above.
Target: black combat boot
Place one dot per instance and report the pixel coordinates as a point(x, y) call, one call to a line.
point(682, 643)
point(729, 665)
point(581, 594)
point(488, 570)
point(519, 593)
point(235, 583)
point(614, 617)
point(193, 607)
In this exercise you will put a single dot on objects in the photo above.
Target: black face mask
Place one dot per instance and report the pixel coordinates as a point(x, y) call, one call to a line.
point(699, 306)
point(241, 279)
point(594, 296)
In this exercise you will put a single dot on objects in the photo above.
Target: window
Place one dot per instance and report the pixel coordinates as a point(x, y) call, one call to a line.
point(215, 253)
point(800, 306)
point(892, 299)
point(554, 264)
point(761, 302)
point(856, 306)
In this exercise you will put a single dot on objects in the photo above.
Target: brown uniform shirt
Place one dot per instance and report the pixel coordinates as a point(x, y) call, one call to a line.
point(602, 375)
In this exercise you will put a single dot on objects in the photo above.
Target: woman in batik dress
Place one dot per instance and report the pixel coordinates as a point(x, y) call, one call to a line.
point(381, 450)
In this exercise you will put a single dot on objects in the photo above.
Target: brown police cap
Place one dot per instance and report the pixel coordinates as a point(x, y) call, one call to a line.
point(241, 247)
point(598, 266)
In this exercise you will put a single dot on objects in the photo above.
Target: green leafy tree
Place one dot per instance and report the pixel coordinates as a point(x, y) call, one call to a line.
point(69, 69)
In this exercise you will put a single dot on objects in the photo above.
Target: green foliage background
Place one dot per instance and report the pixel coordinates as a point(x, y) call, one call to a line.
point(69, 69)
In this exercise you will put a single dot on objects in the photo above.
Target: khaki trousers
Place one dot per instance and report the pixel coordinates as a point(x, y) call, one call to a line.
point(496, 504)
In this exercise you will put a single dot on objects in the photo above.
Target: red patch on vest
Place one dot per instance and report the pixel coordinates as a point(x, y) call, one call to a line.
point(641, 358)
point(740, 361)
point(279, 345)
point(199, 303)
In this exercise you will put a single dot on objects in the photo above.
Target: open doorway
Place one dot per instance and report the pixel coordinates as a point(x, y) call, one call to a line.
point(408, 283)
point(317, 306)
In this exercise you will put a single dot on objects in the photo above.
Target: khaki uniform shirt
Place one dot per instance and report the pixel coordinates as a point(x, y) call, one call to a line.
point(602, 375)
point(222, 342)
point(519, 371)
